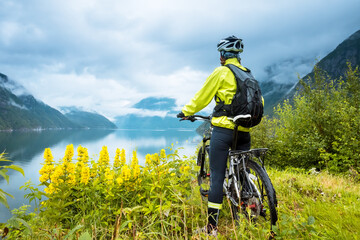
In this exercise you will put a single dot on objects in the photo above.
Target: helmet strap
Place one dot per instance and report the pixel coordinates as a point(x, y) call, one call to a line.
point(238, 57)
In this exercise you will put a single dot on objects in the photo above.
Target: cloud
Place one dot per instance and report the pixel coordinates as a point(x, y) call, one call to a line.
point(107, 55)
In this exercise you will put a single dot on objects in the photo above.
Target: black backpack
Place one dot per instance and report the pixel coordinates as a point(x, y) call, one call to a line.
point(247, 99)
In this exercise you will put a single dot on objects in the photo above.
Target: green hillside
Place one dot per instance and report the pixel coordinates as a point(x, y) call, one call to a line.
point(25, 112)
point(90, 120)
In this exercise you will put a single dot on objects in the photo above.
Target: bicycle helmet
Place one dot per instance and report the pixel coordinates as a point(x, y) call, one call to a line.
point(230, 44)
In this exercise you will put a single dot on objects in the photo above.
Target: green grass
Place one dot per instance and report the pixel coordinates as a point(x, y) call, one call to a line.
point(320, 206)
point(310, 206)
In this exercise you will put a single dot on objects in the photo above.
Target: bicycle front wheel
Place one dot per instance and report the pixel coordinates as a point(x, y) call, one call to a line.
point(204, 174)
point(257, 196)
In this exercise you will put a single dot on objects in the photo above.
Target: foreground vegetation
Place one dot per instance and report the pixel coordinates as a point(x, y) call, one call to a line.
point(319, 128)
point(118, 199)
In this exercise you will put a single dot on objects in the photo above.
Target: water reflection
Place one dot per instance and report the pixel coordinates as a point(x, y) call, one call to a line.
point(26, 149)
point(22, 146)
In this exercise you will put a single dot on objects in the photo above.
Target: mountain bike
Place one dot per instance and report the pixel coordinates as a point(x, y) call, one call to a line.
point(246, 185)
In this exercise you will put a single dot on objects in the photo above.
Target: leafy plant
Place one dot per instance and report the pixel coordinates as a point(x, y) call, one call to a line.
point(3, 173)
point(320, 128)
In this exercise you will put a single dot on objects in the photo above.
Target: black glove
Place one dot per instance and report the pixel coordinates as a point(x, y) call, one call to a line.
point(180, 115)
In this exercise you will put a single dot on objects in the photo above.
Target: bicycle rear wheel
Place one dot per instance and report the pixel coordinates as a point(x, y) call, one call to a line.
point(257, 196)
point(204, 175)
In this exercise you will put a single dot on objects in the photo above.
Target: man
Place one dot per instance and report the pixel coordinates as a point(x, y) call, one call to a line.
point(221, 84)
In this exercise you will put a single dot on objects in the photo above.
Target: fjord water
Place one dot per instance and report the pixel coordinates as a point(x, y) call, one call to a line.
point(26, 150)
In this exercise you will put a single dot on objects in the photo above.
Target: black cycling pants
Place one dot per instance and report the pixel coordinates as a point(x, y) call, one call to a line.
point(220, 143)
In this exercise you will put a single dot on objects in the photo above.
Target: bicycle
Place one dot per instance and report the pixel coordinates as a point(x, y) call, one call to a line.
point(246, 185)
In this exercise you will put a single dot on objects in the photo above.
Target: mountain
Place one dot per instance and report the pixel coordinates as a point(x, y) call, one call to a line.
point(20, 110)
point(156, 103)
point(87, 119)
point(280, 77)
point(273, 92)
point(335, 63)
point(347, 51)
point(154, 113)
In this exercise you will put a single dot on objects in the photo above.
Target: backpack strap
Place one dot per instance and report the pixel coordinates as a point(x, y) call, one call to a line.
point(222, 109)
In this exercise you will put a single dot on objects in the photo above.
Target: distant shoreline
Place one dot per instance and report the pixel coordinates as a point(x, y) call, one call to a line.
point(127, 129)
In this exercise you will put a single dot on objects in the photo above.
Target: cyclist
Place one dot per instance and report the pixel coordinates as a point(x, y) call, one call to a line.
point(221, 84)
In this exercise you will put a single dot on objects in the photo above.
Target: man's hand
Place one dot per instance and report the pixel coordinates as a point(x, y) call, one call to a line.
point(180, 115)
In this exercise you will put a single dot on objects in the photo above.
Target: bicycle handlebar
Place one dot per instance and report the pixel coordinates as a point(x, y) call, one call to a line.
point(193, 118)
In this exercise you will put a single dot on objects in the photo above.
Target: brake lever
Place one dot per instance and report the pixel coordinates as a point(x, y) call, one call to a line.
point(190, 118)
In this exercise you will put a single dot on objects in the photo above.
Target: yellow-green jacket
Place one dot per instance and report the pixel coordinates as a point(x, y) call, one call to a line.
point(222, 84)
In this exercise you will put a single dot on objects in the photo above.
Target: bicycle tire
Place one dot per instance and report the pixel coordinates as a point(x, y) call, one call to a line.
point(204, 174)
point(260, 209)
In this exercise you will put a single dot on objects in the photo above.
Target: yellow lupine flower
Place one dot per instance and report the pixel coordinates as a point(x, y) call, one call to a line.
point(83, 155)
point(117, 159)
point(71, 179)
point(85, 175)
point(79, 166)
point(50, 189)
point(44, 178)
point(148, 159)
point(48, 156)
point(162, 154)
point(58, 172)
point(119, 180)
point(156, 159)
point(125, 173)
point(122, 157)
point(69, 153)
point(94, 168)
point(80, 153)
point(104, 157)
point(134, 160)
point(70, 167)
point(184, 169)
point(136, 171)
point(109, 176)
point(46, 169)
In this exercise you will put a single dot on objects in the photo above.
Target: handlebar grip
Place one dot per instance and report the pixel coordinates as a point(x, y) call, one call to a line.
point(193, 118)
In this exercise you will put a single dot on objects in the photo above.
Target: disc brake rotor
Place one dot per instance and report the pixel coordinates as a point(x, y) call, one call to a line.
point(255, 206)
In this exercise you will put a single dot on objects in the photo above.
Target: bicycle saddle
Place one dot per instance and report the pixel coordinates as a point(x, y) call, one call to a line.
point(241, 118)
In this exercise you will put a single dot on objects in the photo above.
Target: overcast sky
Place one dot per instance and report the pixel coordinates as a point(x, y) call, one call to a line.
point(106, 55)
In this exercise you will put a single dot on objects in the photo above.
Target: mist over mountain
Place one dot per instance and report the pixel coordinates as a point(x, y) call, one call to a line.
point(87, 119)
point(20, 110)
point(156, 103)
point(281, 77)
point(163, 105)
point(335, 64)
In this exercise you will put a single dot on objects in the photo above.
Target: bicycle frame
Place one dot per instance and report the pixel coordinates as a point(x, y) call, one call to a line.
point(246, 183)
point(232, 175)
point(236, 158)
